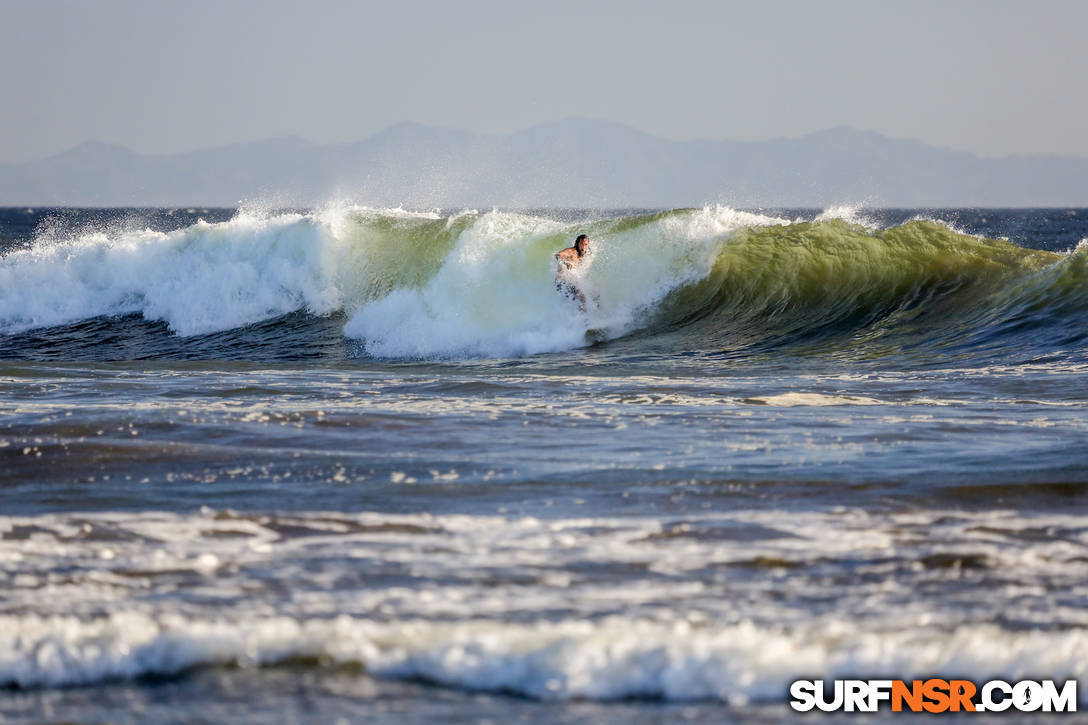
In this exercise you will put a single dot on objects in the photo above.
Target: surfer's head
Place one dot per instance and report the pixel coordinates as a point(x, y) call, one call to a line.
point(581, 245)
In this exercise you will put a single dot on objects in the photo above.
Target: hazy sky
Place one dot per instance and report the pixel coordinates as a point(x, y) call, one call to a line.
point(991, 77)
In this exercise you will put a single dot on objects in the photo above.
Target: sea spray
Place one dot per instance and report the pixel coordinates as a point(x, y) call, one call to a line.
point(495, 294)
point(471, 284)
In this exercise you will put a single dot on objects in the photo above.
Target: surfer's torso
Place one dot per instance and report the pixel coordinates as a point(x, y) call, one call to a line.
point(568, 260)
point(564, 279)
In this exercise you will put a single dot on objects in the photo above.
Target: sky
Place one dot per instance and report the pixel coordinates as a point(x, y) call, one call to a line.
point(991, 77)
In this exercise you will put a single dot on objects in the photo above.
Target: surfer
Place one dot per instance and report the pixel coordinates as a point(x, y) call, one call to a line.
point(569, 259)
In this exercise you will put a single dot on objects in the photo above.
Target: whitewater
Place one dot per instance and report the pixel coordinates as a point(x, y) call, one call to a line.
point(412, 284)
point(470, 284)
point(369, 465)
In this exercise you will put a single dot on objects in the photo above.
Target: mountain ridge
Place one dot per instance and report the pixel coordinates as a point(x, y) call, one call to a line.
point(572, 162)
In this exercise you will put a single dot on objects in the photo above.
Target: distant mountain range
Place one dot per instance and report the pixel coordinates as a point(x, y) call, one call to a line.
point(570, 163)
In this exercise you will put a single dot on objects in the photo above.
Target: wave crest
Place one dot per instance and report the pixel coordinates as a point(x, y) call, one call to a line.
point(612, 659)
point(482, 284)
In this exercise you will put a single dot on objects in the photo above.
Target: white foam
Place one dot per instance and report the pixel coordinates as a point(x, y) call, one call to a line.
point(1080, 249)
point(955, 229)
point(486, 299)
point(204, 278)
point(549, 627)
point(612, 658)
point(849, 213)
point(789, 400)
point(495, 295)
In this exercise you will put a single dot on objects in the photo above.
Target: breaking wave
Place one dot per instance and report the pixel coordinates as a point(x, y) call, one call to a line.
point(613, 659)
point(591, 608)
point(413, 285)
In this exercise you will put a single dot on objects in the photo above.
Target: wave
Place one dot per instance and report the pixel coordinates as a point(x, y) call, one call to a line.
point(213, 277)
point(591, 607)
point(605, 660)
point(414, 285)
point(843, 286)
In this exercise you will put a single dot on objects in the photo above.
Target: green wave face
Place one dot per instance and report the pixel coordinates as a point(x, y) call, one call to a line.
point(381, 252)
point(831, 286)
point(706, 280)
point(712, 280)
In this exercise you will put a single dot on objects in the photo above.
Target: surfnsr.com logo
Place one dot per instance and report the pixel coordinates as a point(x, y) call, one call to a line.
point(934, 695)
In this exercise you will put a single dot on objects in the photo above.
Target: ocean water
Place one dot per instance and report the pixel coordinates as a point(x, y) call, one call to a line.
point(364, 465)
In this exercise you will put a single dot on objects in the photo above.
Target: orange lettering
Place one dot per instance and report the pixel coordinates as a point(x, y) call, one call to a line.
point(912, 696)
point(961, 692)
point(937, 692)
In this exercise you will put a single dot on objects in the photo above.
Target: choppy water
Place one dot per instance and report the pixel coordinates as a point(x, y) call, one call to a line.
point(368, 464)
